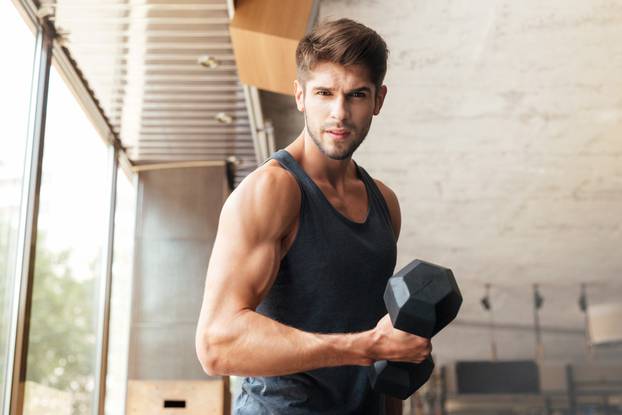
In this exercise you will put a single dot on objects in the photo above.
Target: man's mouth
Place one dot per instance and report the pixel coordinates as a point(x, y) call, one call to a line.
point(338, 133)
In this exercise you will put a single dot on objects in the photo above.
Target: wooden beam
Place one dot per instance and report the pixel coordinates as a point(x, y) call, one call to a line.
point(265, 34)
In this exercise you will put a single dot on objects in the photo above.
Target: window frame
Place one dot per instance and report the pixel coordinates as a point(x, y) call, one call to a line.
point(47, 50)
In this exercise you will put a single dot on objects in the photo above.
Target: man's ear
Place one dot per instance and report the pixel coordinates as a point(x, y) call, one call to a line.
point(299, 94)
point(382, 92)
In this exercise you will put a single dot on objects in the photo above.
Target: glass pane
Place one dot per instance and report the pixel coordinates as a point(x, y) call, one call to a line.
point(68, 266)
point(18, 42)
point(121, 295)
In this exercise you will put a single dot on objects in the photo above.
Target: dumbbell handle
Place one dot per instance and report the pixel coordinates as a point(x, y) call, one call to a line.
point(432, 283)
point(400, 372)
point(396, 375)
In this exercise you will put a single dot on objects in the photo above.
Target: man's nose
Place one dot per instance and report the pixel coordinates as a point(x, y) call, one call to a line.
point(339, 108)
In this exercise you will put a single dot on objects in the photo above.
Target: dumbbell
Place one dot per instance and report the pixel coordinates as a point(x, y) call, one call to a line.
point(421, 299)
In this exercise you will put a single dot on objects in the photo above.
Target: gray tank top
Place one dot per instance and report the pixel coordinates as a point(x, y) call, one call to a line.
point(330, 281)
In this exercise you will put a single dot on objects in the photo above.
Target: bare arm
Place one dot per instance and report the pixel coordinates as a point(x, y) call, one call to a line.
point(233, 339)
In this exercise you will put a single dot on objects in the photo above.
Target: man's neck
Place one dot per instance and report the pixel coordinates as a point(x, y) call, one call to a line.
point(320, 167)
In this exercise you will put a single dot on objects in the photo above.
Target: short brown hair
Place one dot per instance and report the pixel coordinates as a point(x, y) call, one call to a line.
point(344, 42)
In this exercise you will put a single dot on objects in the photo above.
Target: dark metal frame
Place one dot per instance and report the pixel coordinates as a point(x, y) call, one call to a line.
point(22, 294)
point(105, 288)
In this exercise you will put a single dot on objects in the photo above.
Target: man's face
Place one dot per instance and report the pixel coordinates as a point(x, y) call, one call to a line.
point(338, 104)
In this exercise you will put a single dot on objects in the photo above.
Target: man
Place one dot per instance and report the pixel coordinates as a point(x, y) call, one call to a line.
point(305, 245)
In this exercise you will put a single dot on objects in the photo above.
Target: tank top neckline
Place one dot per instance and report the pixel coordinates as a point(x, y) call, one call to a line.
point(305, 177)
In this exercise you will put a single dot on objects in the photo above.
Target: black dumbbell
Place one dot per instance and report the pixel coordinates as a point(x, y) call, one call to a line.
point(421, 299)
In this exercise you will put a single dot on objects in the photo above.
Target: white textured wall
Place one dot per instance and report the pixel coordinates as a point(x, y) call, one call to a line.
point(501, 136)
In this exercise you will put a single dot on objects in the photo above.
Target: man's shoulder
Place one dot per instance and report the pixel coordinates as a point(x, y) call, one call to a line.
point(387, 192)
point(272, 178)
point(270, 189)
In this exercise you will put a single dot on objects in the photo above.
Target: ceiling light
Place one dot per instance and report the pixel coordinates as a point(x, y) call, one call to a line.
point(208, 61)
point(224, 118)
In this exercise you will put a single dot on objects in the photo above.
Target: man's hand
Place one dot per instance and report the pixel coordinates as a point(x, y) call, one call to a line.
point(390, 343)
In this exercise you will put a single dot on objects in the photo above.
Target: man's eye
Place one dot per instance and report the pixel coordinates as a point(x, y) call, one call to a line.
point(358, 94)
point(323, 93)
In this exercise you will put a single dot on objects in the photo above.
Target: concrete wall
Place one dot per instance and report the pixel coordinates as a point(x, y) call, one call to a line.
point(500, 136)
point(287, 120)
point(177, 217)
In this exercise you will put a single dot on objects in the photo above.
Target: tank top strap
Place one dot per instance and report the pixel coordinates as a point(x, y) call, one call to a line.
point(307, 186)
point(377, 198)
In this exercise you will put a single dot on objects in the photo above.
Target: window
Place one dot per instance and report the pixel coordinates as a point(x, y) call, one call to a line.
point(121, 292)
point(18, 42)
point(68, 266)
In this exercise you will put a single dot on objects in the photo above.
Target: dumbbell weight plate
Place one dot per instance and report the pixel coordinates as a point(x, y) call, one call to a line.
point(399, 379)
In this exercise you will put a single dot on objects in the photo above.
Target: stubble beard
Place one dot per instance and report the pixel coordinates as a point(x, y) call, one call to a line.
point(336, 155)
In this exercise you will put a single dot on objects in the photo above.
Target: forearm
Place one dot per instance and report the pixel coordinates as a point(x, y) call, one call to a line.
point(251, 344)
